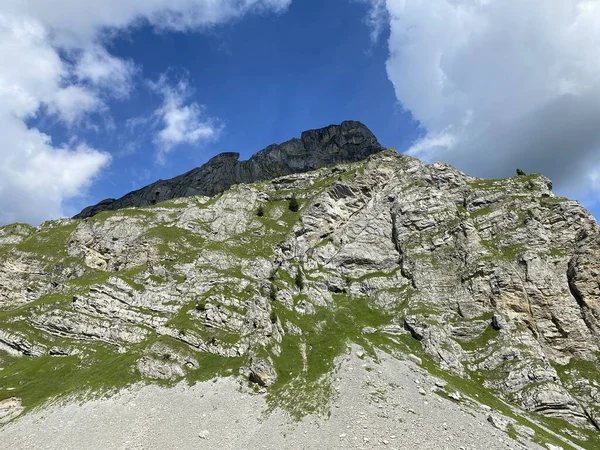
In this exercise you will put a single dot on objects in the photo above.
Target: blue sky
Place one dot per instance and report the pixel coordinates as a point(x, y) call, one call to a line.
point(267, 78)
point(122, 93)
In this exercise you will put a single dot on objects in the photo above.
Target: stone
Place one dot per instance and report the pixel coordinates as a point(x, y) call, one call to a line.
point(498, 421)
point(262, 372)
point(455, 396)
point(204, 434)
point(418, 361)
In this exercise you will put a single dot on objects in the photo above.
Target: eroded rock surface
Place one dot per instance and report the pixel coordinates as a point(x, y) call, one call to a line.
point(349, 142)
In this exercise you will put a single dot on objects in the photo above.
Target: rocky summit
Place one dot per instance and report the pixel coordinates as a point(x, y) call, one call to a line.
point(349, 142)
point(270, 271)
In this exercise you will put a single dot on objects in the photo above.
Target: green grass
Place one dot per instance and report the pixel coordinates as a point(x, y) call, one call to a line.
point(301, 389)
point(102, 371)
point(503, 252)
point(37, 380)
point(523, 183)
point(143, 213)
point(481, 341)
point(481, 212)
point(49, 240)
point(175, 242)
point(550, 201)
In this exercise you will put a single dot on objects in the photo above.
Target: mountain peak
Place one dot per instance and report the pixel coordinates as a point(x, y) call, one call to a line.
point(350, 141)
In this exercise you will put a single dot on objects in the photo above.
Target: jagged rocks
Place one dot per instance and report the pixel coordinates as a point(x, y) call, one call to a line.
point(336, 144)
point(164, 363)
point(499, 422)
point(261, 372)
point(16, 344)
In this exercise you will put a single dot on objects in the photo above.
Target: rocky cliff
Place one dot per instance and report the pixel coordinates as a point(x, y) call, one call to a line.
point(492, 285)
point(349, 142)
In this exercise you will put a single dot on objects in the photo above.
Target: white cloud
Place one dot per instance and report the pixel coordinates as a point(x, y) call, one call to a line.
point(36, 177)
point(102, 69)
point(181, 122)
point(499, 84)
point(55, 60)
point(377, 17)
point(73, 102)
point(76, 21)
point(432, 143)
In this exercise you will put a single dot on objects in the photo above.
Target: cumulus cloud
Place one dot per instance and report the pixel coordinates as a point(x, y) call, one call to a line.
point(500, 84)
point(56, 62)
point(112, 74)
point(180, 121)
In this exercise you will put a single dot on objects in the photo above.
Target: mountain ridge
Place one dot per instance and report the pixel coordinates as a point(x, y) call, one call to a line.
point(351, 141)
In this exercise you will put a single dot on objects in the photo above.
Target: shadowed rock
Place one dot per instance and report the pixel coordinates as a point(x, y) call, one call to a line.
point(349, 142)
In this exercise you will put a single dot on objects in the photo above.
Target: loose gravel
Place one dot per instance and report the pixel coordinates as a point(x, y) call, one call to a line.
point(390, 404)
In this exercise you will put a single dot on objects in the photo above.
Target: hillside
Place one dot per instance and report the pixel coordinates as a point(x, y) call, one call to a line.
point(489, 285)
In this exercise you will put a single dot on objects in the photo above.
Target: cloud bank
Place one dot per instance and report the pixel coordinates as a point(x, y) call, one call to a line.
point(57, 63)
point(500, 84)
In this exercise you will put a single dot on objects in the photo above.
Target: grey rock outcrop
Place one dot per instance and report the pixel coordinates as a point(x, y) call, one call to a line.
point(349, 142)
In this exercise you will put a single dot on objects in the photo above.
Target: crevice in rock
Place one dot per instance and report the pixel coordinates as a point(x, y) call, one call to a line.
point(576, 294)
point(409, 325)
point(573, 288)
point(403, 271)
point(558, 326)
point(591, 419)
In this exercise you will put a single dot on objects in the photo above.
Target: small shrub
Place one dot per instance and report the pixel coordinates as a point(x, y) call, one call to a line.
point(260, 212)
point(520, 172)
point(273, 317)
point(294, 206)
point(200, 306)
point(273, 293)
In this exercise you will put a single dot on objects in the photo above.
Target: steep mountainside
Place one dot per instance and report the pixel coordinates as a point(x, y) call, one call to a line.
point(492, 285)
point(349, 142)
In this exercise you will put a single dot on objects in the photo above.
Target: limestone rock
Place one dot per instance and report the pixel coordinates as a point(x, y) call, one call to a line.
point(499, 422)
point(262, 372)
point(9, 409)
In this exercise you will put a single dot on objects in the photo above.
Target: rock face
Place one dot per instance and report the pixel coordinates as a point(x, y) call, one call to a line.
point(349, 142)
point(495, 282)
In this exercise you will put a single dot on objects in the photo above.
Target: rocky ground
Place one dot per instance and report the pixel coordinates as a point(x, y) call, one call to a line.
point(387, 404)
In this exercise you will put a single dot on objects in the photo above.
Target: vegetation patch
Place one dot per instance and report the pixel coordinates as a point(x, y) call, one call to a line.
point(50, 240)
point(306, 362)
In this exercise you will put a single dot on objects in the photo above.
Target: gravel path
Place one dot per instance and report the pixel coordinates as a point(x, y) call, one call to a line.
point(387, 405)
